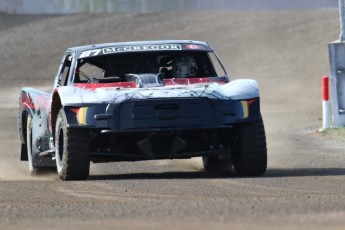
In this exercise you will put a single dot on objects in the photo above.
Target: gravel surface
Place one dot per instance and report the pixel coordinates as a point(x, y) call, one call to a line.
point(286, 51)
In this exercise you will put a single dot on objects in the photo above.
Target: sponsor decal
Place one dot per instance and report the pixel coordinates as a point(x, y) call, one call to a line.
point(90, 53)
point(195, 47)
point(120, 49)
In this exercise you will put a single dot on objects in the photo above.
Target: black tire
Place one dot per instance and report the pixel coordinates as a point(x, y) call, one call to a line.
point(251, 159)
point(213, 164)
point(71, 151)
point(32, 168)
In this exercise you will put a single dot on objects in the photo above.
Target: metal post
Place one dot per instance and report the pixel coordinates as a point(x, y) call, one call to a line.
point(342, 19)
point(337, 72)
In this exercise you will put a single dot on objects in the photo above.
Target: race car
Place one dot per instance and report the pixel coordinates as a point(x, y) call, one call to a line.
point(145, 100)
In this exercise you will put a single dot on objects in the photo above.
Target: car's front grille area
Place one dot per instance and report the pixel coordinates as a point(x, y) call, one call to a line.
point(165, 113)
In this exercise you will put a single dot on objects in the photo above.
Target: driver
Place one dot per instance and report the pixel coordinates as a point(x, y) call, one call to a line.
point(184, 66)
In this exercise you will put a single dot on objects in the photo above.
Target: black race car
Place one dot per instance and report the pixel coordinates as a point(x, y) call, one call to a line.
point(137, 101)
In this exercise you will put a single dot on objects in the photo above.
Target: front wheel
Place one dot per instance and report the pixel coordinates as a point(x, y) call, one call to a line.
point(71, 151)
point(251, 158)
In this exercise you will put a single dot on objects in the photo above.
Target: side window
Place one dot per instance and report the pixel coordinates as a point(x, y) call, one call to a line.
point(65, 71)
point(88, 71)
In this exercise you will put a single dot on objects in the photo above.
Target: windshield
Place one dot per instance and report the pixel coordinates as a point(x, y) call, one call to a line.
point(170, 64)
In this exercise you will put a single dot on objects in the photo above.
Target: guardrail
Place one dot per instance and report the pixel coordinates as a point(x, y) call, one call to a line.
point(149, 6)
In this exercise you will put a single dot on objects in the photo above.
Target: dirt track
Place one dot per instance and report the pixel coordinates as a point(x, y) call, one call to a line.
point(286, 51)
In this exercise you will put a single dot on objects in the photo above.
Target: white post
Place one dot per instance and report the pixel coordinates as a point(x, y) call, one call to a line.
point(326, 105)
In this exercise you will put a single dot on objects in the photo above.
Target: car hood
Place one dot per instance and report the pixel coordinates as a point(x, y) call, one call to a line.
point(241, 89)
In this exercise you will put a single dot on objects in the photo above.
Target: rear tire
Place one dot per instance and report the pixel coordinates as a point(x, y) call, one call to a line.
point(213, 164)
point(251, 159)
point(71, 151)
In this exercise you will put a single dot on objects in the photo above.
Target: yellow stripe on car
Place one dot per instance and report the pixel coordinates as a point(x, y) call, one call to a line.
point(245, 109)
point(81, 116)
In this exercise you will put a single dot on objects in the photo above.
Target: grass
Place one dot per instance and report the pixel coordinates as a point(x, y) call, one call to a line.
point(336, 134)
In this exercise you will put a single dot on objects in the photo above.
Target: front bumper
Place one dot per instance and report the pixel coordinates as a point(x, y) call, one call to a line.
point(163, 114)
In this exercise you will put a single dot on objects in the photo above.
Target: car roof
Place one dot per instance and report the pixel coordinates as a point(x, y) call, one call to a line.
point(139, 46)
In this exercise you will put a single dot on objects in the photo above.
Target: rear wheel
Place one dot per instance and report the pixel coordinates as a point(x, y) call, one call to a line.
point(214, 164)
point(251, 158)
point(72, 151)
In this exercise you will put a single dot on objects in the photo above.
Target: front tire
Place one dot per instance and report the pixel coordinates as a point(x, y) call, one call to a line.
point(71, 151)
point(251, 158)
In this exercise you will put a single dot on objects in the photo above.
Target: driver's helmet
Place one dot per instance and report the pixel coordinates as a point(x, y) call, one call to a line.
point(184, 66)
